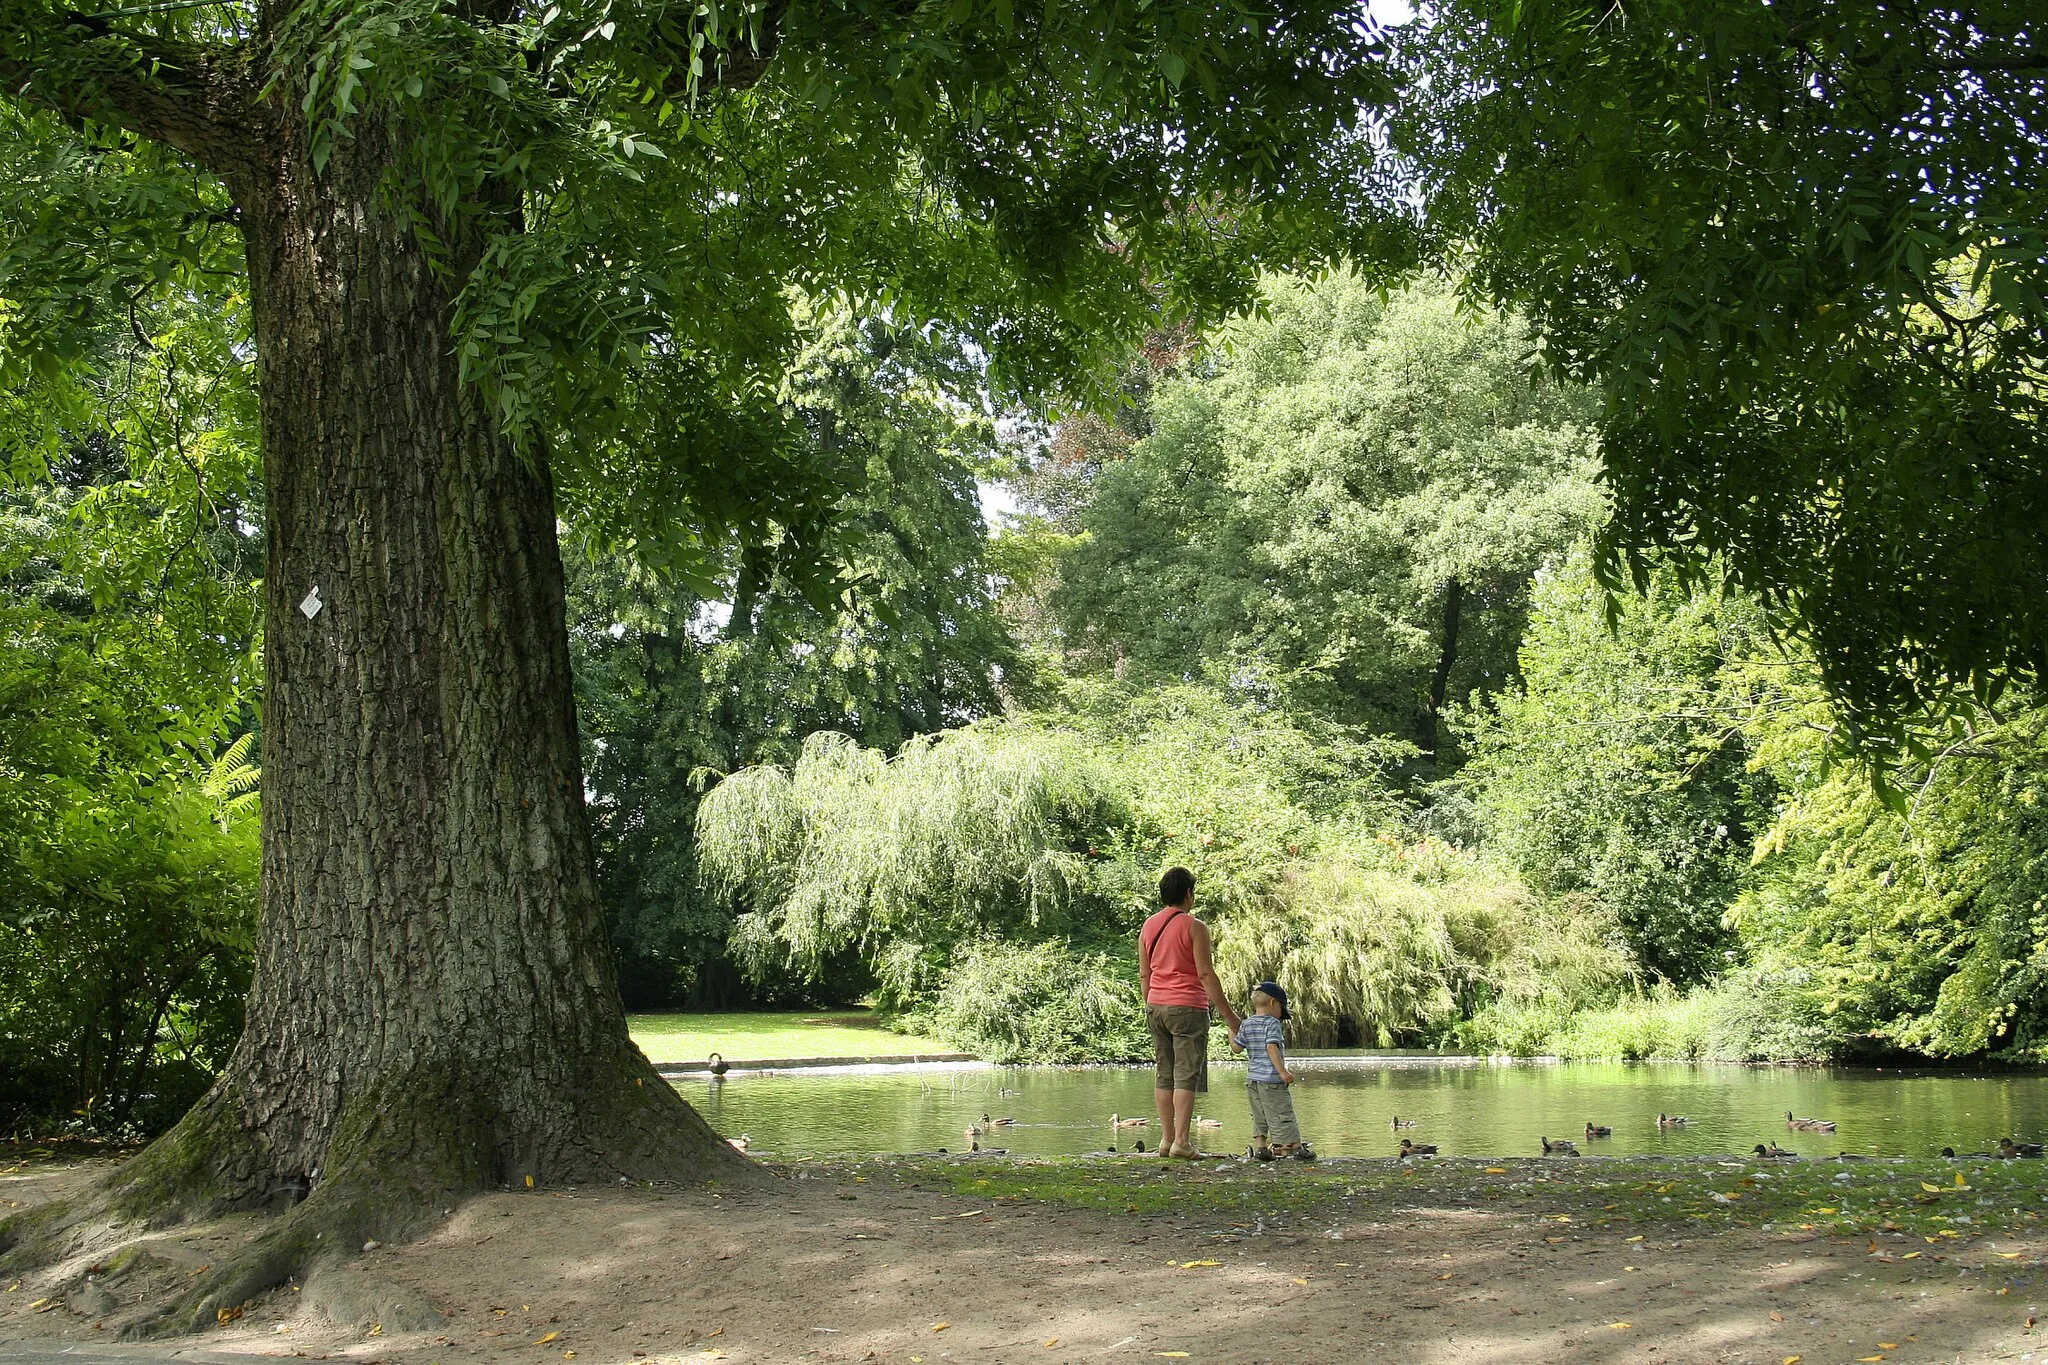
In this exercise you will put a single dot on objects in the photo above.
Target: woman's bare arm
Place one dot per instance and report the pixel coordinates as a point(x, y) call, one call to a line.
point(1206, 969)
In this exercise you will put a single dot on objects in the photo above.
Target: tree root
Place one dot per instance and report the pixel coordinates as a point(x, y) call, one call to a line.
point(397, 1164)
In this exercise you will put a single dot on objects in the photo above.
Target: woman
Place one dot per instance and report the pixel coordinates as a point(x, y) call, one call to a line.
point(1180, 987)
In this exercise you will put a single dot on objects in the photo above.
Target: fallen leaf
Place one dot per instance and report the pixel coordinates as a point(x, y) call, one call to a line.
point(1931, 1189)
point(1619, 1326)
point(568, 1355)
point(1887, 1346)
point(1823, 1210)
point(1301, 1281)
point(1637, 1238)
point(529, 1182)
point(1791, 1360)
point(1777, 1316)
point(1052, 1341)
point(1189, 1265)
point(1444, 1277)
point(1868, 1360)
point(1496, 1170)
point(548, 1338)
point(714, 1332)
point(1553, 1240)
point(1910, 1256)
point(940, 1326)
point(1961, 1183)
point(1172, 1355)
point(2010, 1255)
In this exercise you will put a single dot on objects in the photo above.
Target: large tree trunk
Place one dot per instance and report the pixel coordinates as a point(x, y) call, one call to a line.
point(434, 1008)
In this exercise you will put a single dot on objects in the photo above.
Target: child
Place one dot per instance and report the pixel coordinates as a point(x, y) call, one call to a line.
point(1267, 1077)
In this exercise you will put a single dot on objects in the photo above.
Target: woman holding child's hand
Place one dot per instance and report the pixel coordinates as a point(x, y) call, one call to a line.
point(1180, 985)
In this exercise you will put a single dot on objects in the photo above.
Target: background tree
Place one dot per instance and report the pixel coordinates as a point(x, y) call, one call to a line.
point(1348, 497)
point(1799, 247)
point(1616, 774)
point(674, 689)
point(128, 665)
point(494, 253)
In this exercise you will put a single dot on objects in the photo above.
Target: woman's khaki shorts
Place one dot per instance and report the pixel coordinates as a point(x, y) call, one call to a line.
point(1180, 1046)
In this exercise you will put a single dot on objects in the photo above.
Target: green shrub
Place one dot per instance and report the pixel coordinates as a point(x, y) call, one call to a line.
point(1040, 1002)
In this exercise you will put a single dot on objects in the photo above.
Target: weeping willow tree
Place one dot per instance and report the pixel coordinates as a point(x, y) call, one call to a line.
point(987, 830)
point(990, 879)
point(1398, 944)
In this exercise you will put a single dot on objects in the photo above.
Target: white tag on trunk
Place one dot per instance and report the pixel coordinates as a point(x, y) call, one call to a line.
point(310, 607)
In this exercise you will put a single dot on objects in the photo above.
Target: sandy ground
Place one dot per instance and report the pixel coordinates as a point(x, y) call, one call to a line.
point(836, 1265)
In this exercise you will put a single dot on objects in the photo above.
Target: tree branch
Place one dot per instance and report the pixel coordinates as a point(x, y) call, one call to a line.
point(197, 98)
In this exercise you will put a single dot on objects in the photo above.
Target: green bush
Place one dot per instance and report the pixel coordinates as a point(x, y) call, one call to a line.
point(1040, 1002)
point(1754, 1015)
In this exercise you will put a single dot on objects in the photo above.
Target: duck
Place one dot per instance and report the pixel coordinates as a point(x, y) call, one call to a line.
point(1772, 1151)
point(738, 1144)
point(2009, 1149)
point(1201, 1122)
point(1006, 1092)
point(1848, 1156)
point(1139, 1146)
point(1118, 1121)
point(1809, 1125)
point(1398, 1122)
point(1672, 1120)
point(988, 1122)
point(1417, 1148)
point(1594, 1130)
point(1561, 1147)
point(1953, 1155)
point(718, 1066)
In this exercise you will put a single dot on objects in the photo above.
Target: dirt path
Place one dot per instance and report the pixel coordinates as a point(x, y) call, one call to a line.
point(917, 1263)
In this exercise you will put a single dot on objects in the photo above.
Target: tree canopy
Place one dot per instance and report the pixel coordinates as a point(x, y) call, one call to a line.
point(1799, 248)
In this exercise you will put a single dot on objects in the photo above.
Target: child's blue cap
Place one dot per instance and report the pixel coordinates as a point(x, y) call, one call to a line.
point(1272, 988)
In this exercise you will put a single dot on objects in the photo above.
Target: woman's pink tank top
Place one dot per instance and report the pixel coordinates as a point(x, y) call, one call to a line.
point(1174, 980)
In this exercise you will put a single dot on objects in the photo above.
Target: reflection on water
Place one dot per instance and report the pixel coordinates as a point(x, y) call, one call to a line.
point(1346, 1104)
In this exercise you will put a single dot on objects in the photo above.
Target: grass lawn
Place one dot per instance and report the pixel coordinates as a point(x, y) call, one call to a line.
point(771, 1034)
point(1908, 1210)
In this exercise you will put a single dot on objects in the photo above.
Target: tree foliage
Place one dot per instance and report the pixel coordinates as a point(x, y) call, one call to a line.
point(1346, 498)
point(128, 838)
point(1799, 247)
point(1617, 772)
point(675, 688)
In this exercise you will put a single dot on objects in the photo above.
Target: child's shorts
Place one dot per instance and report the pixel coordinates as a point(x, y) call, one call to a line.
point(1272, 1112)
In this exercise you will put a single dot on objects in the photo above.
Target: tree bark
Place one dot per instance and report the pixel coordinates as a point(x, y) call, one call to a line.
point(1446, 659)
point(434, 1009)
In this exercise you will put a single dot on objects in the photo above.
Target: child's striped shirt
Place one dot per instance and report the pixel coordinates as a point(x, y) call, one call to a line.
point(1253, 1034)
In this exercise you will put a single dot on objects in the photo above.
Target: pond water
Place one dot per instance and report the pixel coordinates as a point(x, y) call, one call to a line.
point(1346, 1104)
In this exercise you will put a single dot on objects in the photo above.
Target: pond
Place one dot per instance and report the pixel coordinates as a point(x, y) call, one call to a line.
point(1346, 1103)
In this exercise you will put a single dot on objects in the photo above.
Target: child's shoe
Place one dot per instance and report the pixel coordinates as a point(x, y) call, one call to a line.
point(1259, 1153)
point(1304, 1153)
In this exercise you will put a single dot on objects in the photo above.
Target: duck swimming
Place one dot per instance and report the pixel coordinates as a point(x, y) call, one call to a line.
point(988, 1122)
point(1774, 1150)
point(1809, 1125)
point(1672, 1120)
point(1398, 1122)
point(1417, 1148)
point(1594, 1130)
point(2009, 1149)
point(1561, 1147)
point(1117, 1121)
